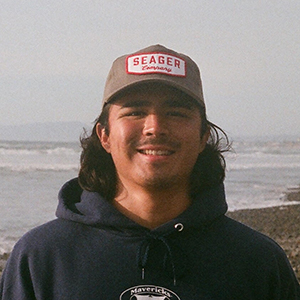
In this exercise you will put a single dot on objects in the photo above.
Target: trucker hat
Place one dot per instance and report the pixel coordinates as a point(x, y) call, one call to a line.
point(155, 63)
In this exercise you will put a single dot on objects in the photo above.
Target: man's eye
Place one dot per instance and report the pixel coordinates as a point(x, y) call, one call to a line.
point(177, 114)
point(135, 113)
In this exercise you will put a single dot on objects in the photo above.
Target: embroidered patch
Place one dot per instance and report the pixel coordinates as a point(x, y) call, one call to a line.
point(156, 63)
point(148, 292)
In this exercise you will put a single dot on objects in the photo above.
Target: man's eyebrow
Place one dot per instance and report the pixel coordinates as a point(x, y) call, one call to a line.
point(178, 103)
point(134, 103)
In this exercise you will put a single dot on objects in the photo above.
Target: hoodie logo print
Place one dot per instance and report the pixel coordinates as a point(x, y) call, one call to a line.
point(148, 292)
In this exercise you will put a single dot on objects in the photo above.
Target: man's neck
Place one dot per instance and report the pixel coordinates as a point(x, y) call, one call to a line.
point(152, 208)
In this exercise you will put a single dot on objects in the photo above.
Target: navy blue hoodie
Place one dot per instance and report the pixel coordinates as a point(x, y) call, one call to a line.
point(92, 251)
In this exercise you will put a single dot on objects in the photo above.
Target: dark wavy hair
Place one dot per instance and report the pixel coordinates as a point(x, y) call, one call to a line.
point(98, 174)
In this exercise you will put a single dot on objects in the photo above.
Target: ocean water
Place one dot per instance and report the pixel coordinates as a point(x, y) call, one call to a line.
point(259, 173)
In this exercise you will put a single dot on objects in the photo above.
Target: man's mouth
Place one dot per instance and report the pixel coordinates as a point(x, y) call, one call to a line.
point(156, 152)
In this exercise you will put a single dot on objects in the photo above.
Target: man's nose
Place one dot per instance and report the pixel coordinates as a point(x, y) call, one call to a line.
point(155, 125)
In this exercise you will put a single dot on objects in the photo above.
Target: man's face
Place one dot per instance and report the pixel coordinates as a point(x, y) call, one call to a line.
point(154, 138)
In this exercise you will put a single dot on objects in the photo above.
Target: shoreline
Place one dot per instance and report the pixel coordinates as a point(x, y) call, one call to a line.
point(281, 223)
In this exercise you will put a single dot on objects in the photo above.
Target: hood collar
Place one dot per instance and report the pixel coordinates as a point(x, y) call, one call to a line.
point(91, 209)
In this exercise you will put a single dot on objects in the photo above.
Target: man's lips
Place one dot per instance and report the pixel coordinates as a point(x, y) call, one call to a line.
point(157, 147)
point(156, 152)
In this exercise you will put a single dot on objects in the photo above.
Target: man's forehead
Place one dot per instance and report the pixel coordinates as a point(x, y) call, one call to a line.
point(169, 102)
point(164, 96)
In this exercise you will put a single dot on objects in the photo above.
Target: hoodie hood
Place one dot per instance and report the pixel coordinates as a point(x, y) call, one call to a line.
point(92, 209)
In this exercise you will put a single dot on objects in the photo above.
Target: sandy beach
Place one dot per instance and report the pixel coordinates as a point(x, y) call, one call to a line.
point(280, 223)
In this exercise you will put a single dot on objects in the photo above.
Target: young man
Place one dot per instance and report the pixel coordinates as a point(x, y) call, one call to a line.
point(145, 219)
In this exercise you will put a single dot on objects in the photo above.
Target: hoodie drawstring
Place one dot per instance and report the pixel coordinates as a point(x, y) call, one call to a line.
point(143, 254)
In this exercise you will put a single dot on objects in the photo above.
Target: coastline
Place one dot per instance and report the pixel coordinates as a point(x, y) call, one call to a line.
point(281, 223)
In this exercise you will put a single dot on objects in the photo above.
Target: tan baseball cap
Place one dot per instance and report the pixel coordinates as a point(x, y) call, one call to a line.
point(154, 64)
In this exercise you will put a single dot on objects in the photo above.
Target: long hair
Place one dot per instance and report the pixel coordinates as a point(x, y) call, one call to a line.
point(98, 174)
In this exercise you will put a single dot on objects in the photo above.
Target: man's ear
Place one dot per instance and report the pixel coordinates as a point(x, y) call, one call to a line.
point(103, 137)
point(204, 140)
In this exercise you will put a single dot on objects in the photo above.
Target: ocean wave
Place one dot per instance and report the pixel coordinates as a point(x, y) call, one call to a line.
point(258, 205)
point(38, 167)
point(237, 166)
point(59, 151)
point(62, 151)
point(263, 155)
point(7, 243)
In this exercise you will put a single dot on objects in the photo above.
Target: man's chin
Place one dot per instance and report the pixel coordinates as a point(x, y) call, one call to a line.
point(160, 182)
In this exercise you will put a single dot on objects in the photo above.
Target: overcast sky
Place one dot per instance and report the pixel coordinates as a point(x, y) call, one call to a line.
point(55, 55)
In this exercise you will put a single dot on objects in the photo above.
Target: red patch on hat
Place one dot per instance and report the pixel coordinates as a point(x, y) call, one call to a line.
point(147, 63)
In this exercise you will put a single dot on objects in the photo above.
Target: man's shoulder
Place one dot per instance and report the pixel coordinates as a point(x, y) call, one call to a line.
point(47, 236)
point(250, 239)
